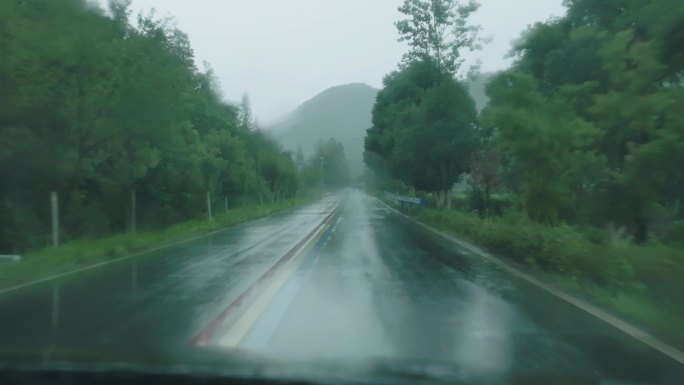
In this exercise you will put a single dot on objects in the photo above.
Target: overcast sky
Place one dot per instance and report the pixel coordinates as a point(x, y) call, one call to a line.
point(283, 52)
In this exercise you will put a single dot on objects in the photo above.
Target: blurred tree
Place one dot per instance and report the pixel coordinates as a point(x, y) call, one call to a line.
point(245, 115)
point(438, 30)
point(599, 87)
point(424, 129)
point(545, 140)
point(485, 176)
point(113, 114)
point(329, 165)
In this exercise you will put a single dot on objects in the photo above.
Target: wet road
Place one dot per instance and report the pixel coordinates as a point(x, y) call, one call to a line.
point(156, 303)
point(370, 289)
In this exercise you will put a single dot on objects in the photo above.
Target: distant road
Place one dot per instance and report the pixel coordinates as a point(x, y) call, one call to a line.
point(360, 285)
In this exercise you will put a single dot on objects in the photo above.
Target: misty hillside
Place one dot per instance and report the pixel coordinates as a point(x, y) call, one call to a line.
point(477, 86)
point(344, 113)
point(341, 112)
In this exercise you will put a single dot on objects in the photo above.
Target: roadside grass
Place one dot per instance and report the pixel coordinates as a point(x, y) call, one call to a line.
point(86, 252)
point(646, 312)
point(640, 283)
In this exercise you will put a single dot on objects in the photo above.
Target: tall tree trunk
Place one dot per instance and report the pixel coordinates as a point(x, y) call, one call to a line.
point(225, 202)
point(133, 212)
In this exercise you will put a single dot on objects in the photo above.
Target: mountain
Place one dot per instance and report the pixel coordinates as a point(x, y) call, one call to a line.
point(341, 112)
point(477, 86)
point(344, 113)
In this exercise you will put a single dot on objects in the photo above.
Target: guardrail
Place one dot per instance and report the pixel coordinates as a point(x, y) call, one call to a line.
point(403, 200)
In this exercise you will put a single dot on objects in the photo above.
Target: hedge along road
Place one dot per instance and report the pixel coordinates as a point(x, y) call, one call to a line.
point(361, 286)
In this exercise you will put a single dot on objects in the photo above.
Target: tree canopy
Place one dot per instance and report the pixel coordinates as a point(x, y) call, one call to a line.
point(424, 128)
point(593, 102)
point(438, 30)
point(113, 114)
point(424, 121)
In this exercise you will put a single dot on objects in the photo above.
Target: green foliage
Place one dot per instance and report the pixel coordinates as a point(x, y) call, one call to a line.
point(593, 104)
point(424, 121)
point(437, 31)
point(327, 167)
point(554, 249)
point(424, 128)
point(583, 136)
point(107, 111)
point(484, 178)
point(546, 141)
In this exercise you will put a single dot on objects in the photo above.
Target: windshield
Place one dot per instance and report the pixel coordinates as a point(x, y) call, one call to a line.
point(395, 191)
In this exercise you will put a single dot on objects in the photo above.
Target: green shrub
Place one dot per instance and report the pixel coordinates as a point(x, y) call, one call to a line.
point(581, 256)
point(660, 269)
point(561, 249)
point(675, 232)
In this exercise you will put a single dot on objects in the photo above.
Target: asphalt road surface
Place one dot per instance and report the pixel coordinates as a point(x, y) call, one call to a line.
point(344, 281)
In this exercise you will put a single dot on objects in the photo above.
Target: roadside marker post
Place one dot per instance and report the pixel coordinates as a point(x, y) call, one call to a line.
point(54, 209)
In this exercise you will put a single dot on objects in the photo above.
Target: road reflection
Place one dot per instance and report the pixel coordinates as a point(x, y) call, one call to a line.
point(483, 334)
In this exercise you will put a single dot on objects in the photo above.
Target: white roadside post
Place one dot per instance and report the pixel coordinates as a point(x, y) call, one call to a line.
point(209, 204)
point(134, 213)
point(54, 204)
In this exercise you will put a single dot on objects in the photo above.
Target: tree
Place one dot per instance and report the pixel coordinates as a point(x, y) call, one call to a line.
point(245, 115)
point(545, 141)
point(438, 30)
point(424, 129)
point(280, 175)
point(327, 167)
point(599, 87)
point(485, 176)
point(113, 114)
point(644, 141)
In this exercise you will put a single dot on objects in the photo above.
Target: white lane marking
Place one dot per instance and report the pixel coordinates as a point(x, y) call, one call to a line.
point(337, 222)
point(623, 326)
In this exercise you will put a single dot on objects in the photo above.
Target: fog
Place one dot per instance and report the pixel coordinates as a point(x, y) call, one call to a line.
point(284, 52)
